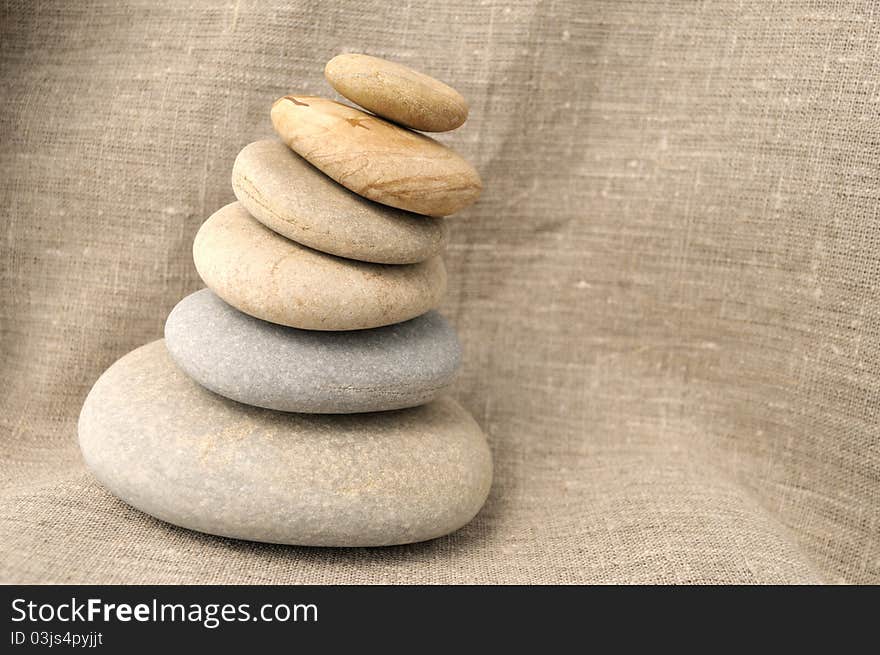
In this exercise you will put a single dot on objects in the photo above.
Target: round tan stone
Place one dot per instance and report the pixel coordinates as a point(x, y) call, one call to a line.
point(273, 278)
point(376, 159)
point(168, 447)
point(292, 197)
point(397, 92)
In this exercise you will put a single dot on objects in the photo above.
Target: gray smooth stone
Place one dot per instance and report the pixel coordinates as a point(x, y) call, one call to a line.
point(268, 365)
point(170, 448)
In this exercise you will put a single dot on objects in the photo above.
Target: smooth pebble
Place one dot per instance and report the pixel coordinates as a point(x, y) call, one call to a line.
point(376, 159)
point(287, 194)
point(267, 365)
point(163, 444)
point(273, 278)
point(397, 92)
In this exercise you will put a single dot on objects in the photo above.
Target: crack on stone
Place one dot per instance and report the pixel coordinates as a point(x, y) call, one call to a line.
point(357, 122)
point(296, 102)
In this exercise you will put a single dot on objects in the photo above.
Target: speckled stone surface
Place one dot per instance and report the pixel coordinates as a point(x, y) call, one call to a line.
point(397, 92)
point(283, 368)
point(273, 278)
point(377, 159)
point(166, 446)
point(287, 194)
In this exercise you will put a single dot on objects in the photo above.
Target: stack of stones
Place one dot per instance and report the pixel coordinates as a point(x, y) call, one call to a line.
point(297, 399)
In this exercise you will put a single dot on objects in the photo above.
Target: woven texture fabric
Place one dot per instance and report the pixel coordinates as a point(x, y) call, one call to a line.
point(668, 294)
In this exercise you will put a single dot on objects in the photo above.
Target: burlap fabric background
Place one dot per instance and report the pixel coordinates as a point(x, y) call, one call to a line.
point(668, 294)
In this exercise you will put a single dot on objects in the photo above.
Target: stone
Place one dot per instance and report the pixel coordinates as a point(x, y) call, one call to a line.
point(273, 278)
point(376, 159)
point(292, 370)
point(397, 92)
point(287, 194)
point(163, 444)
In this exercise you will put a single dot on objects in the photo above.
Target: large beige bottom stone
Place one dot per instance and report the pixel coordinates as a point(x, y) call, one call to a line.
point(165, 445)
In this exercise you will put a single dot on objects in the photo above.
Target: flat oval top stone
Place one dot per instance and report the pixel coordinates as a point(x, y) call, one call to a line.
point(287, 194)
point(283, 368)
point(397, 92)
point(170, 448)
point(273, 278)
point(376, 159)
